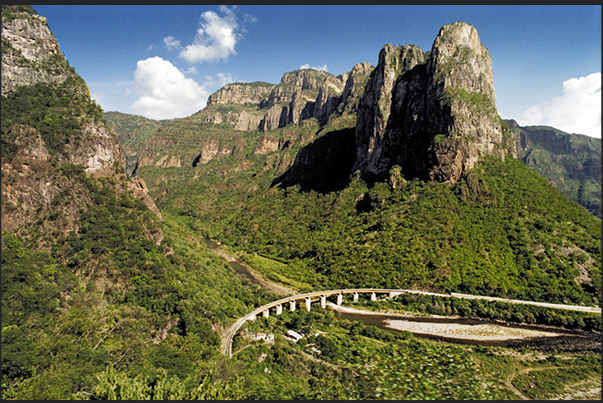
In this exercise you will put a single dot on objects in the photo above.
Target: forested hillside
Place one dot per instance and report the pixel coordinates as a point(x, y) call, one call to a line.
point(109, 292)
point(91, 277)
point(571, 162)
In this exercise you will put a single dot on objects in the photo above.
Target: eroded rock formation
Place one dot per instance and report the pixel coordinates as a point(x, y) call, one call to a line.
point(42, 164)
point(433, 117)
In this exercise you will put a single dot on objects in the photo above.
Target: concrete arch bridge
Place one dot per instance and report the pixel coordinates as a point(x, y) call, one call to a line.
point(307, 298)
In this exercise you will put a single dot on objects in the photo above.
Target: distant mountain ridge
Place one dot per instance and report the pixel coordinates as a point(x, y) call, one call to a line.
point(570, 162)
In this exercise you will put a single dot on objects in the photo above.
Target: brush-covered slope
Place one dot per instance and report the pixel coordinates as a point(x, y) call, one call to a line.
point(92, 279)
point(571, 162)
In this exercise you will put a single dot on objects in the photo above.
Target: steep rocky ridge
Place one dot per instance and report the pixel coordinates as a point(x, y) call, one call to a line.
point(301, 95)
point(432, 114)
point(267, 117)
point(570, 162)
point(24, 64)
point(49, 126)
point(434, 118)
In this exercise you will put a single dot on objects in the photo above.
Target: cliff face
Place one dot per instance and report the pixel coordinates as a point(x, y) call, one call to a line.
point(434, 118)
point(241, 93)
point(49, 126)
point(301, 95)
point(24, 64)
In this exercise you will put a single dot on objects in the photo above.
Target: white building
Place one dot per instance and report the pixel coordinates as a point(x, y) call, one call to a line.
point(294, 335)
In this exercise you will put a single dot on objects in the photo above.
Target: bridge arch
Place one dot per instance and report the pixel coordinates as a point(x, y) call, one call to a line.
point(307, 298)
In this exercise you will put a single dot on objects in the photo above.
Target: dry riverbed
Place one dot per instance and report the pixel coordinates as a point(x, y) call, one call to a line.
point(480, 332)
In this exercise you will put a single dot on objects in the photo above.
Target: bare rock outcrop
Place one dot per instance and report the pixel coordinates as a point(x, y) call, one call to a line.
point(30, 52)
point(46, 159)
point(434, 118)
point(241, 93)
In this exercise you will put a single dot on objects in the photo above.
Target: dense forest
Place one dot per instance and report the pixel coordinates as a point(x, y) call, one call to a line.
point(503, 230)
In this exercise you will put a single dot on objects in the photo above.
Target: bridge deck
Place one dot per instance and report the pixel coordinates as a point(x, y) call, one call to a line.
point(227, 348)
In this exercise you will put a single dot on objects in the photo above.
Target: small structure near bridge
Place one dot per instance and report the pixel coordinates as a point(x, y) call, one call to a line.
point(294, 335)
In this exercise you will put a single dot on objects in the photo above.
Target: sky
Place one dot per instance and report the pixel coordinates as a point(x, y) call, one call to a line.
point(163, 62)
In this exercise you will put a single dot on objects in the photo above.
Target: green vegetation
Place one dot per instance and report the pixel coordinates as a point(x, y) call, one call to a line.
point(272, 269)
point(102, 295)
point(571, 162)
point(477, 101)
point(502, 230)
point(57, 112)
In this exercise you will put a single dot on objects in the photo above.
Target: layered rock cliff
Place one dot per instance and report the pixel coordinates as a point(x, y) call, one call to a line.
point(241, 93)
point(433, 117)
point(51, 129)
point(301, 95)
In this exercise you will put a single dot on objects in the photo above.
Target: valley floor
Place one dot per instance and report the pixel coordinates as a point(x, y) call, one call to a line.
point(481, 332)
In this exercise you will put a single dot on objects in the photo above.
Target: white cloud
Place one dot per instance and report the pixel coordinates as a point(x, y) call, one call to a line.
point(171, 43)
point(164, 91)
point(577, 110)
point(215, 40)
point(307, 66)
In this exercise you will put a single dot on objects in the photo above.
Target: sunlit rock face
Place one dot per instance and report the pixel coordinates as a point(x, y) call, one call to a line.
point(434, 117)
point(39, 178)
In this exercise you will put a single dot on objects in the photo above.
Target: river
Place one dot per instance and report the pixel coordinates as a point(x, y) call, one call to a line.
point(479, 331)
point(247, 275)
point(448, 329)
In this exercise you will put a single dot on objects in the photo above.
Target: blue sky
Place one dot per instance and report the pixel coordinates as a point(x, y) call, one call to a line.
point(164, 61)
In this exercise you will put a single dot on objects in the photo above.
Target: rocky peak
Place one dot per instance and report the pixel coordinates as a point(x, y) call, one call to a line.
point(459, 60)
point(434, 118)
point(241, 93)
point(30, 52)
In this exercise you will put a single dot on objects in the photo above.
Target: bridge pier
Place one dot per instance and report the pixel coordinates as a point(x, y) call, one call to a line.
point(279, 309)
point(373, 296)
point(339, 299)
point(251, 317)
point(292, 305)
point(266, 313)
point(323, 301)
point(355, 297)
point(308, 303)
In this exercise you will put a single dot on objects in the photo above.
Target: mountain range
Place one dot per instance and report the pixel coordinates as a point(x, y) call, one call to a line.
point(400, 175)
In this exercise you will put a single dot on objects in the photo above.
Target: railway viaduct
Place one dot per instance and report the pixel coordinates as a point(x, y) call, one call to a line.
point(306, 300)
